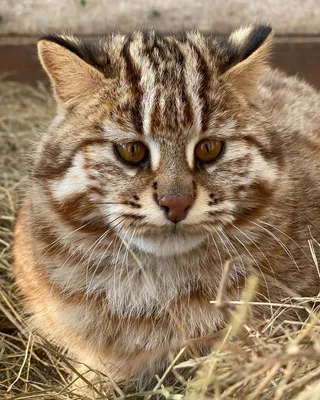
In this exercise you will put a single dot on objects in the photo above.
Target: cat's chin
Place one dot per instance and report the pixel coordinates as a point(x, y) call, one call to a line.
point(167, 245)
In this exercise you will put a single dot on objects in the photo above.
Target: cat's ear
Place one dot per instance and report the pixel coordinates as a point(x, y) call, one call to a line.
point(247, 51)
point(73, 79)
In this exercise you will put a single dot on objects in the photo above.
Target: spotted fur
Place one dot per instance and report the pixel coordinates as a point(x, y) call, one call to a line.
point(103, 272)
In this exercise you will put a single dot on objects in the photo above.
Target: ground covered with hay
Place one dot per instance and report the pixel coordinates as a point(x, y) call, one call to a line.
point(264, 362)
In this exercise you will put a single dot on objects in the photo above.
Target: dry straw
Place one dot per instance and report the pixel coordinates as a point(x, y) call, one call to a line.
point(247, 362)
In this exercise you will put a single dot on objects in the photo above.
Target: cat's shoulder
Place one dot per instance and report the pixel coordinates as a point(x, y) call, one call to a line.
point(290, 102)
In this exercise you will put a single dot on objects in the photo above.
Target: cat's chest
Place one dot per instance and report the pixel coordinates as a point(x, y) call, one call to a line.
point(140, 284)
point(150, 285)
point(175, 289)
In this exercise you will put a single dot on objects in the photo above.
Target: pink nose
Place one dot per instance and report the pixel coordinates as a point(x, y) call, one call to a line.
point(176, 207)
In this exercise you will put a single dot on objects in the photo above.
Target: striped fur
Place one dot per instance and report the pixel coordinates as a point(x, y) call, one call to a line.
point(103, 272)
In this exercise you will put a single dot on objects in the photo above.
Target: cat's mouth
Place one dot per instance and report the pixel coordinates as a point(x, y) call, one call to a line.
point(165, 243)
point(169, 229)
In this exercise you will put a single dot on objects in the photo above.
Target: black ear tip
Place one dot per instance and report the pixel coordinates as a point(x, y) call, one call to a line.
point(66, 41)
point(257, 36)
point(262, 30)
point(53, 37)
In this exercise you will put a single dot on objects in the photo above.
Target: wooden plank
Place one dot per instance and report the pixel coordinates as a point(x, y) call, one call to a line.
point(20, 63)
point(301, 57)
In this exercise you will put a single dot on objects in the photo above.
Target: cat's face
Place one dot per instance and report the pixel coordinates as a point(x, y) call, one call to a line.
point(164, 152)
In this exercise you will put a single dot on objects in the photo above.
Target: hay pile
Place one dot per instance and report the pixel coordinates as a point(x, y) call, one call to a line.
point(265, 363)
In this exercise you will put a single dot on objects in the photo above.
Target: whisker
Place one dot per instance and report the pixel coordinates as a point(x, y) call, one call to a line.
point(264, 256)
point(216, 246)
point(239, 257)
point(252, 241)
point(310, 222)
point(83, 256)
point(98, 264)
point(88, 285)
point(60, 239)
point(50, 245)
point(126, 253)
point(228, 251)
point(274, 236)
point(284, 234)
point(257, 264)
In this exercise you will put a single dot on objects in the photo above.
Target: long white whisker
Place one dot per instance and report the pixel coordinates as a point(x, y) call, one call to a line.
point(84, 255)
point(284, 234)
point(231, 257)
point(257, 264)
point(275, 237)
point(240, 259)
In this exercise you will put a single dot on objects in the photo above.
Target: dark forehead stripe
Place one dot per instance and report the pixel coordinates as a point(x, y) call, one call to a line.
point(156, 55)
point(133, 77)
point(188, 114)
point(153, 49)
point(205, 83)
point(165, 54)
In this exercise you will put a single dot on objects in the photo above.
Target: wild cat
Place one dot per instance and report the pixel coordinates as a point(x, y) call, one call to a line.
point(168, 159)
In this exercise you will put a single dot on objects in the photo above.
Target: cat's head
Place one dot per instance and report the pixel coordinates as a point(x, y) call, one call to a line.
point(157, 139)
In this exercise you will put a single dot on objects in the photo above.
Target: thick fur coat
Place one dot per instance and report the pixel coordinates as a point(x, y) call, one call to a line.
point(103, 271)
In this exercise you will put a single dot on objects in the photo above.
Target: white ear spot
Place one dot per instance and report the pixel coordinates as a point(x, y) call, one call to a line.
point(239, 36)
point(74, 181)
point(154, 154)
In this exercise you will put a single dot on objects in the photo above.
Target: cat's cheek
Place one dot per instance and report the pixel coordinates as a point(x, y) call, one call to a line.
point(198, 212)
point(73, 182)
point(153, 215)
point(130, 172)
point(261, 168)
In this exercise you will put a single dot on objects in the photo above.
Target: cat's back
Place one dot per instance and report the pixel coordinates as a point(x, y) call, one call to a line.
point(291, 103)
point(292, 107)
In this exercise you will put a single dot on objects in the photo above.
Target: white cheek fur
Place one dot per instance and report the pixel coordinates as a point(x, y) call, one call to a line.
point(264, 169)
point(73, 182)
point(155, 154)
point(190, 150)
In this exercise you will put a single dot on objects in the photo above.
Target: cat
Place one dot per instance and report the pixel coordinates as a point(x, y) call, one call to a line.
point(169, 159)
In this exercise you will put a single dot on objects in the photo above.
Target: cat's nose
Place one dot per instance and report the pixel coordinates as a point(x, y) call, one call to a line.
point(176, 207)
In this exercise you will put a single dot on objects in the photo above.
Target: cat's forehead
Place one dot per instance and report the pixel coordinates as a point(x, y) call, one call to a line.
point(220, 127)
point(167, 84)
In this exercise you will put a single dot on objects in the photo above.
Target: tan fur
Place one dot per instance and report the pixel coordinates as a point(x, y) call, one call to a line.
point(245, 74)
point(72, 78)
point(103, 272)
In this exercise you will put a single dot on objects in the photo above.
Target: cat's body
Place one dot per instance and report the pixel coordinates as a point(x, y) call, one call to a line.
point(104, 270)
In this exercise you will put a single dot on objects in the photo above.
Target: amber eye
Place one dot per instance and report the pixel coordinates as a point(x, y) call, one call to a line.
point(132, 153)
point(209, 149)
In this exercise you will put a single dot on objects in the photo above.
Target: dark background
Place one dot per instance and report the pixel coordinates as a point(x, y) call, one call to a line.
point(296, 56)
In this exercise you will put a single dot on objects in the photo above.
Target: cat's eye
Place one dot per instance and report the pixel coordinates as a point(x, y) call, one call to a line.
point(209, 150)
point(132, 152)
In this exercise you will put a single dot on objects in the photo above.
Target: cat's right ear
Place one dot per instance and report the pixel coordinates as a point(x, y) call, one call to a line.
point(246, 56)
point(72, 78)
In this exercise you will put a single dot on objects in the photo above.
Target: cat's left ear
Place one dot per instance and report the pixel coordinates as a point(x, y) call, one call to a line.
point(65, 60)
point(247, 51)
